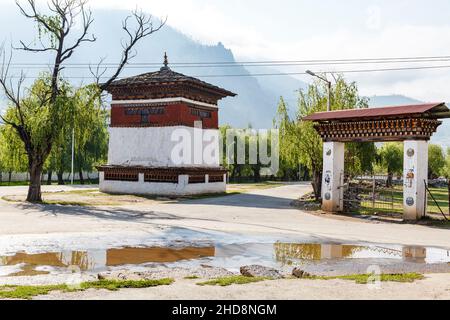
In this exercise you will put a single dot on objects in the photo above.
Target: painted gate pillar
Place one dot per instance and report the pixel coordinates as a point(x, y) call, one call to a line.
point(333, 176)
point(415, 173)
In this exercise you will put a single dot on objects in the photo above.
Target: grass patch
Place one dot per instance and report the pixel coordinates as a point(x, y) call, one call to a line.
point(8, 199)
point(227, 281)
point(364, 278)
point(52, 202)
point(13, 183)
point(393, 203)
point(81, 191)
point(191, 277)
point(28, 292)
point(66, 203)
point(114, 285)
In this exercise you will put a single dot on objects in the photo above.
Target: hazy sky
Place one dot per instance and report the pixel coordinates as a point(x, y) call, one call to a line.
point(305, 29)
point(325, 29)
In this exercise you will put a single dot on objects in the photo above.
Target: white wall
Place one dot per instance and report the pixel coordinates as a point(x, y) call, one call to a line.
point(23, 176)
point(162, 189)
point(154, 146)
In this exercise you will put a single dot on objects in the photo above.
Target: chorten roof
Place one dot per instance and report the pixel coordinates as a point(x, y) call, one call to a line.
point(166, 76)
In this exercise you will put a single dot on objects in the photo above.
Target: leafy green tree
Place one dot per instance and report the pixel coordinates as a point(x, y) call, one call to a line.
point(12, 154)
point(360, 157)
point(436, 161)
point(391, 159)
point(446, 173)
point(37, 117)
point(88, 123)
point(446, 168)
point(289, 133)
point(309, 144)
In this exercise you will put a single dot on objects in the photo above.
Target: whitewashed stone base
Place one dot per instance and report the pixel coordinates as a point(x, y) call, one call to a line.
point(141, 187)
point(159, 147)
point(415, 175)
point(333, 176)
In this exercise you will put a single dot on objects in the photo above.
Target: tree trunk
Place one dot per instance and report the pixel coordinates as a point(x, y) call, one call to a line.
point(49, 177)
point(60, 178)
point(233, 173)
point(317, 184)
point(389, 180)
point(448, 188)
point(34, 189)
point(256, 174)
point(81, 176)
point(9, 177)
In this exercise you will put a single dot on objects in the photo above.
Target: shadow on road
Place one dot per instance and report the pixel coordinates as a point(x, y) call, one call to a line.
point(244, 200)
point(110, 213)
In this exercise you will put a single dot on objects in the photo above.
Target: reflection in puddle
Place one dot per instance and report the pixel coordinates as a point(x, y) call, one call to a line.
point(116, 257)
point(31, 264)
point(230, 256)
point(286, 252)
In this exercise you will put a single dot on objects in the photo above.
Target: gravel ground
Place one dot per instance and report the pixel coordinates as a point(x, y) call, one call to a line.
point(435, 286)
point(260, 213)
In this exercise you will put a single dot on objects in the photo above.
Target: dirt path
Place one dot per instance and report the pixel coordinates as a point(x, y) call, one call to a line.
point(435, 286)
point(260, 212)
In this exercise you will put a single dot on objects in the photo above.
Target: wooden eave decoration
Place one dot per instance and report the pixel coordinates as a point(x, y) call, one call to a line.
point(399, 123)
point(162, 170)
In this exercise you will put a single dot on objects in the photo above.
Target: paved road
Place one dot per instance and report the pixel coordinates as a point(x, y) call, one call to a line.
point(262, 212)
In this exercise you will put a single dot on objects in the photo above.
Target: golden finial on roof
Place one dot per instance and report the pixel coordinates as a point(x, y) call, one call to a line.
point(166, 61)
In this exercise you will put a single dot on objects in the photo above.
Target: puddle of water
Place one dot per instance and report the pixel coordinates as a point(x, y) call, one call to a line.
point(230, 256)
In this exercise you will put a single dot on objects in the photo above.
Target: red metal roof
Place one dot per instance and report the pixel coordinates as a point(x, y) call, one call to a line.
point(434, 110)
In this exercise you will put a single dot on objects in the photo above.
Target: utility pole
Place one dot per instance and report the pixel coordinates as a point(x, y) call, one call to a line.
point(328, 86)
point(73, 153)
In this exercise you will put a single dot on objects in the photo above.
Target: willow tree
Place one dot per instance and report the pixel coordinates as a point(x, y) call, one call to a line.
point(310, 144)
point(12, 154)
point(436, 160)
point(289, 140)
point(391, 159)
point(306, 140)
point(87, 125)
point(62, 29)
point(90, 132)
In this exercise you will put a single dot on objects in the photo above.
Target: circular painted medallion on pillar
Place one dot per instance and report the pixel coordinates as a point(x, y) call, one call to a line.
point(410, 152)
point(329, 152)
point(410, 201)
point(327, 196)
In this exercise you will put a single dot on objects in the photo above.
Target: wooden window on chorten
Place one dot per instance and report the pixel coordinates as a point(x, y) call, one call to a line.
point(197, 178)
point(161, 177)
point(121, 176)
point(200, 113)
point(215, 178)
point(145, 116)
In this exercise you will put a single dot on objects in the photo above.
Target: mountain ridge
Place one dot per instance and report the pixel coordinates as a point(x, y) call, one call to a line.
point(257, 98)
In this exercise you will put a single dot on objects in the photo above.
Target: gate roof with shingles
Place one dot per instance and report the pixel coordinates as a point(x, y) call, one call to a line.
point(429, 110)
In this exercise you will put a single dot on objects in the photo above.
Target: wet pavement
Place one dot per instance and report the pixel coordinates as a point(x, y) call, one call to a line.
point(184, 248)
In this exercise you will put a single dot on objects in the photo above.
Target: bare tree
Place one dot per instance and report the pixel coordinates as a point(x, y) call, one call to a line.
point(54, 31)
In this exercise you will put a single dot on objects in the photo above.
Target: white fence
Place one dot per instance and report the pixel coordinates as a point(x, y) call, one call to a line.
point(23, 176)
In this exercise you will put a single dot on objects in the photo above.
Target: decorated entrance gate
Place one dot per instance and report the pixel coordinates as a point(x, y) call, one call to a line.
point(412, 124)
point(373, 194)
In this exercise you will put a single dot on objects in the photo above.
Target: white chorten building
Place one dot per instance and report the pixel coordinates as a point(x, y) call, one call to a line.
point(164, 137)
